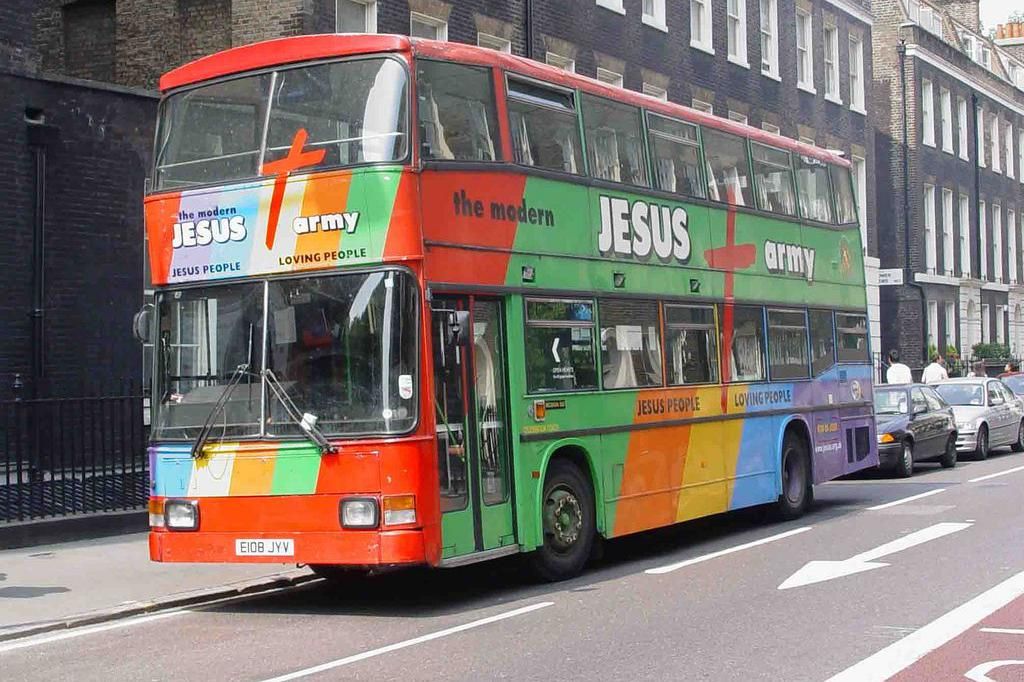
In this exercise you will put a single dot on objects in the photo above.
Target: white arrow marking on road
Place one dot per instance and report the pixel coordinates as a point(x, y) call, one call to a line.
point(979, 673)
point(554, 350)
point(820, 571)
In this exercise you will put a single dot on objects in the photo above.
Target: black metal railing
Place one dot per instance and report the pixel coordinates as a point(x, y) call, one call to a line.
point(72, 455)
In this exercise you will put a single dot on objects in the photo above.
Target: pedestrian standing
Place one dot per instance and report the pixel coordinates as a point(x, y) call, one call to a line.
point(898, 373)
point(978, 369)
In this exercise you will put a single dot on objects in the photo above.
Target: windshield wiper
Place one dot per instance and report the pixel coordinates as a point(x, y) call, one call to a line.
point(229, 388)
point(304, 420)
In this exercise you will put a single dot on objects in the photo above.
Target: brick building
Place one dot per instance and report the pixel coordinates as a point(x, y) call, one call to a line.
point(72, 171)
point(950, 154)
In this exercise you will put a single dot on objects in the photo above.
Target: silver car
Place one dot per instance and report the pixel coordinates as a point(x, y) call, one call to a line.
point(988, 415)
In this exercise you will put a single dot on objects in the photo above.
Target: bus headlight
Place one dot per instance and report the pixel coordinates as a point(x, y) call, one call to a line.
point(399, 510)
point(181, 514)
point(359, 512)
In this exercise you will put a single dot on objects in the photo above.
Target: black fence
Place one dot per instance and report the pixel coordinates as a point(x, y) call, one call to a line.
point(72, 455)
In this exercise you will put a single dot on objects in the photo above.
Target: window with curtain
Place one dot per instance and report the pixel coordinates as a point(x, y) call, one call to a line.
point(456, 112)
point(675, 156)
point(746, 352)
point(691, 347)
point(726, 157)
point(630, 343)
point(544, 127)
point(773, 175)
point(813, 190)
point(615, 146)
point(787, 344)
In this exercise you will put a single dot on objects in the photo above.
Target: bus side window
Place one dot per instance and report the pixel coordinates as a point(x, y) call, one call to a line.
point(773, 175)
point(560, 345)
point(544, 127)
point(787, 344)
point(630, 343)
point(823, 343)
point(746, 356)
point(726, 156)
point(852, 336)
point(691, 348)
point(846, 206)
point(615, 147)
point(456, 112)
point(675, 156)
point(813, 189)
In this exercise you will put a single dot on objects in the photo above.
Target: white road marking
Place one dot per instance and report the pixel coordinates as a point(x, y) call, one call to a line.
point(409, 642)
point(998, 473)
point(906, 499)
point(1003, 631)
point(897, 656)
point(90, 630)
point(820, 571)
point(979, 673)
point(723, 552)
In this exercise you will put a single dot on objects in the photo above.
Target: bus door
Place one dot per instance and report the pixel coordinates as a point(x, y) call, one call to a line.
point(471, 408)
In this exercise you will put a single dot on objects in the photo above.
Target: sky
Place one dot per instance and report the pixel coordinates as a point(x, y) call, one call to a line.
point(994, 12)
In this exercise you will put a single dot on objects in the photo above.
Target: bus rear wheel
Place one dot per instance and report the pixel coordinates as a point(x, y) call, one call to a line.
point(568, 523)
point(797, 491)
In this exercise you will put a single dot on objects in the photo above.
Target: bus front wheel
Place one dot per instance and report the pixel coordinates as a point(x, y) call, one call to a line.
point(797, 491)
point(568, 523)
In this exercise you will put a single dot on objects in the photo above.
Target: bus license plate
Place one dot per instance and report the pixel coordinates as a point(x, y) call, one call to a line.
point(264, 547)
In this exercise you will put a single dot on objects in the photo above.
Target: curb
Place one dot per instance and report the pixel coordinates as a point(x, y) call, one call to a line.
point(21, 534)
point(255, 587)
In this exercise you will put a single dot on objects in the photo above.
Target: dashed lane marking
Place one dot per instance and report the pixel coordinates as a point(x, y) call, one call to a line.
point(904, 500)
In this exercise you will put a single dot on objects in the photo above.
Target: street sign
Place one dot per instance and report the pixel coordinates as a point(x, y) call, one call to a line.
point(888, 277)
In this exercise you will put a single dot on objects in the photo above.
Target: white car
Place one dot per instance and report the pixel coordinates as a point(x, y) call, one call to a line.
point(988, 414)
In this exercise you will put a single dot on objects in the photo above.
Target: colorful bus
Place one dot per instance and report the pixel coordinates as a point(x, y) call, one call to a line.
point(426, 303)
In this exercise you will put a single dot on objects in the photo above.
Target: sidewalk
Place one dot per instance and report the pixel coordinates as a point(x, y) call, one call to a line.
point(57, 586)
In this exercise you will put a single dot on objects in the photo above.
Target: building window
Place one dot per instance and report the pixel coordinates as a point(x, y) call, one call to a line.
point(979, 113)
point(927, 113)
point(613, 5)
point(1008, 142)
point(654, 14)
point(771, 128)
point(701, 105)
point(985, 324)
point(933, 323)
point(736, 24)
point(494, 42)
point(655, 91)
point(928, 210)
point(856, 74)
point(997, 242)
point(423, 26)
point(609, 77)
point(770, 38)
point(1011, 244)
point(831, 50)
point(356, 16)
point(983, 239)
point(804, 51)
point(1000, 324)
point(1020, 155)
point(861, 186)
point(947, 231)
point(994, 139)
point(946, 119)
point(965, 236)
point(950, 326)
point(738, 117)
point(700, 25)
point(961, 122)
point(560, 62)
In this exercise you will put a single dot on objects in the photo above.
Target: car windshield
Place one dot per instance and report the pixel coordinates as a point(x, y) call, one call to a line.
point(343, 348)
point(962, 394)
point(890, 402)
point(1015, 383)
point(340, 113)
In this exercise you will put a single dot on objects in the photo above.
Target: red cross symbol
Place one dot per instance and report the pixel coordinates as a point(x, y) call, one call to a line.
point(280, 168)
point(731, 257)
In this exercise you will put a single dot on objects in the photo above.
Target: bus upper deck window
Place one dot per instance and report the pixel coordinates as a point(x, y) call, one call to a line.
point(615, 147)
point(544, 127)
point(456, 112)
point(846, 207)
point(675, 156)
point(773, 174)
point(813, 189)
point(728, 170)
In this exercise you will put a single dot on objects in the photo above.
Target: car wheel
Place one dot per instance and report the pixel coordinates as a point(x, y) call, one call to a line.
point(1018, 445)
point(905, 467)
point(981, 451)
point(948, 460)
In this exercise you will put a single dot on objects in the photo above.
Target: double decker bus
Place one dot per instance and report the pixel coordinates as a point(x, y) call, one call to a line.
point(426, 303)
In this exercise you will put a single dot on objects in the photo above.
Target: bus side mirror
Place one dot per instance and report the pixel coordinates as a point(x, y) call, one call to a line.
point(142, 324)
point(458, 327)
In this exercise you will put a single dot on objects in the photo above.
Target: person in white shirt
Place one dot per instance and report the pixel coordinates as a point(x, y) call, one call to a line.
point(898, 373)
point(935, 372)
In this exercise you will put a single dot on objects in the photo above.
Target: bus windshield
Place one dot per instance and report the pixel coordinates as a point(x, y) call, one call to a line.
point(343, 348)
point(352, 111)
